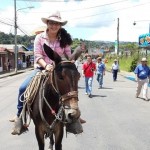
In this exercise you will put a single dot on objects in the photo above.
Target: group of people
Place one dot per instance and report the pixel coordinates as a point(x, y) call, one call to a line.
point(89, 68)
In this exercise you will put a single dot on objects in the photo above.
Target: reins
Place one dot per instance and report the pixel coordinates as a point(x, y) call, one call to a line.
point(31, 91)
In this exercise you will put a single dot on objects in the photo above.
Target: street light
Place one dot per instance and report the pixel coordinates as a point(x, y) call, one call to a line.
point(135, 22)
point(15, 27)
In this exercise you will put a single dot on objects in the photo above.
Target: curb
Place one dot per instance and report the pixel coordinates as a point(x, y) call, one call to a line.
point(14, 73)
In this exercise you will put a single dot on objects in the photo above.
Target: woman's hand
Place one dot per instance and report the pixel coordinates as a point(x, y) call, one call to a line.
point(49, 67)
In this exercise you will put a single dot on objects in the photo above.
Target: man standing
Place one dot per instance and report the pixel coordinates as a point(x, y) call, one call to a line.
point(115, 69)
point(88, 70)
point(142, 72)
point(100, 71)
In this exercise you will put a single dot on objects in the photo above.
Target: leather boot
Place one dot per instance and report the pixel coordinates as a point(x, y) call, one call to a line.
point(17, 126)
point(82, 121)
point(13, 119)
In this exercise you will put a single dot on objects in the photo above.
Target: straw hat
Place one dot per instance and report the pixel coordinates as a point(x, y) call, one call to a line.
point(99, 58)
point(144, 59)
point(39, 30)
point(115, 59)
point(55, 17)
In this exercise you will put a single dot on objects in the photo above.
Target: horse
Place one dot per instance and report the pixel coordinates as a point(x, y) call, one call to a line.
point(56, 103)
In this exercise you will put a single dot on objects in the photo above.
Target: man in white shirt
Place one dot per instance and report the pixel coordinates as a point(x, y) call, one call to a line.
point(115, 69)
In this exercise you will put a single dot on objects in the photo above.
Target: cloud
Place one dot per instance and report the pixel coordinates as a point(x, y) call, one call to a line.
point(96, 19)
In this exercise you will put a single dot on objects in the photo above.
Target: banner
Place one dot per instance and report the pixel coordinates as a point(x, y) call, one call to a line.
point(116, 45)
point(144, 40)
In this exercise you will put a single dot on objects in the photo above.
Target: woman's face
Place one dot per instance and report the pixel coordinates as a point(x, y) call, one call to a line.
point(53, 26)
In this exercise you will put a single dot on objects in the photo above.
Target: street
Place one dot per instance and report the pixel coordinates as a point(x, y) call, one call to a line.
point(116, 120)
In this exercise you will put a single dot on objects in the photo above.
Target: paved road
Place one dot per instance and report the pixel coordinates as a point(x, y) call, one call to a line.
point(116, 120)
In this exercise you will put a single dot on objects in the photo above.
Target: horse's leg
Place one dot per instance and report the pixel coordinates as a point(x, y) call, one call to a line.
point(51, 142)
point(40, 137)
point(58, 138)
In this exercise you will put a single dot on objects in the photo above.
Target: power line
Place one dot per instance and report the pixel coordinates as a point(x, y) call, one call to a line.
point(52, 0)
point(88, 7)
point(1, 21)
point(23, 31)
point(96, 6)
point(111, 11)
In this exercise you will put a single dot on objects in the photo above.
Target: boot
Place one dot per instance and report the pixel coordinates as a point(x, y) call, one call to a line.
point(82, 121)
point(13, 119)
point(18, 127)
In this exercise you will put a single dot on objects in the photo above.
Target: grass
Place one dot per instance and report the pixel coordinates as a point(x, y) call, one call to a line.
point(125, 62)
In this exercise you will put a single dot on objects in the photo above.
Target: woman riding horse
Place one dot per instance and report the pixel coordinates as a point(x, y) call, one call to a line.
point(59, 41)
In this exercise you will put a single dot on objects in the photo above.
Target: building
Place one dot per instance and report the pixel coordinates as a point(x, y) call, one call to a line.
point(7, 55)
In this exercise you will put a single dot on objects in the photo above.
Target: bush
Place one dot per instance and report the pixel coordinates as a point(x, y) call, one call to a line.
point(134, 63)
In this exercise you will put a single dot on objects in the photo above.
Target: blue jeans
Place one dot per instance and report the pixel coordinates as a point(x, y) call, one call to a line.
point(22, 90)
point(100, 79)
point(88, 84)
point(115, 72)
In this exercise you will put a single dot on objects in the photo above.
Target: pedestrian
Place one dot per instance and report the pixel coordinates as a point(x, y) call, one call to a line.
point(88, 70)
point(19, 63)
point(115, 69)
point(142, 72)
point(59, 40)
point(8, 65)
point(100, 70)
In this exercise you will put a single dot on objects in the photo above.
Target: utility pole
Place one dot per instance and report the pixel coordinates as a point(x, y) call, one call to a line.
point(15, 28)
point(117, 36)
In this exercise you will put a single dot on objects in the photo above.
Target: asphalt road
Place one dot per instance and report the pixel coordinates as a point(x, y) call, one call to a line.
point(116, 120)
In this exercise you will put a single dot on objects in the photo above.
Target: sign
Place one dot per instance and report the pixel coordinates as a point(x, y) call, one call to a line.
point(144, 40)
point(116, 45)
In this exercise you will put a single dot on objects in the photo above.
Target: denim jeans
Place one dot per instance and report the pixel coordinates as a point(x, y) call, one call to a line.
point(100, 79)
point(22, 90)
point(115, 72)
point(88, 84)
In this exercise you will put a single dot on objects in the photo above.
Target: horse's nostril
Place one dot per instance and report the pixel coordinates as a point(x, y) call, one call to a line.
point(70, 116)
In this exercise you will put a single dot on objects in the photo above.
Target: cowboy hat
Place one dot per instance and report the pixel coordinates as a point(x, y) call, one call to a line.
point(144, 59)
point(115, 59)
point(55, 17)
point(39, 30)
point(99, 58)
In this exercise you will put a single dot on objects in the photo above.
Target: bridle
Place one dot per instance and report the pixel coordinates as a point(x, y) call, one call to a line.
point(62, 99)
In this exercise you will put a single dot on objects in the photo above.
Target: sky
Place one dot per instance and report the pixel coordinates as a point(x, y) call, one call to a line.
point(94, 20)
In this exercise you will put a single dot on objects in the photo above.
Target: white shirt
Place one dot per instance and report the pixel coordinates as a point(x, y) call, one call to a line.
point(115, 66)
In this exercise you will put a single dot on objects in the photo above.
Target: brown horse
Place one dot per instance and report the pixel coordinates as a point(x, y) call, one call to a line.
point(57, 101)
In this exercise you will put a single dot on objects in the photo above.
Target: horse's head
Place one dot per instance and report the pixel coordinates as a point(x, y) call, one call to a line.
point(65, 80)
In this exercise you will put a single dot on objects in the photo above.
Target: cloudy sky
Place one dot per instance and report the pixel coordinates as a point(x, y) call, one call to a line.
point(87, 19)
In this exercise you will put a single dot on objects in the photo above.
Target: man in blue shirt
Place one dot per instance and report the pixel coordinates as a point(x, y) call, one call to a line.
point(100, 68)
point(142, 72)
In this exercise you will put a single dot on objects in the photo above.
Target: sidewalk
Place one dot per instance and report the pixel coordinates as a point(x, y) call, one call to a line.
point(128, 75)
point(12, 72)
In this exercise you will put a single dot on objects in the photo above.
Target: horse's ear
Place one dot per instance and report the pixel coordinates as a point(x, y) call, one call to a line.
point(51, 54)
